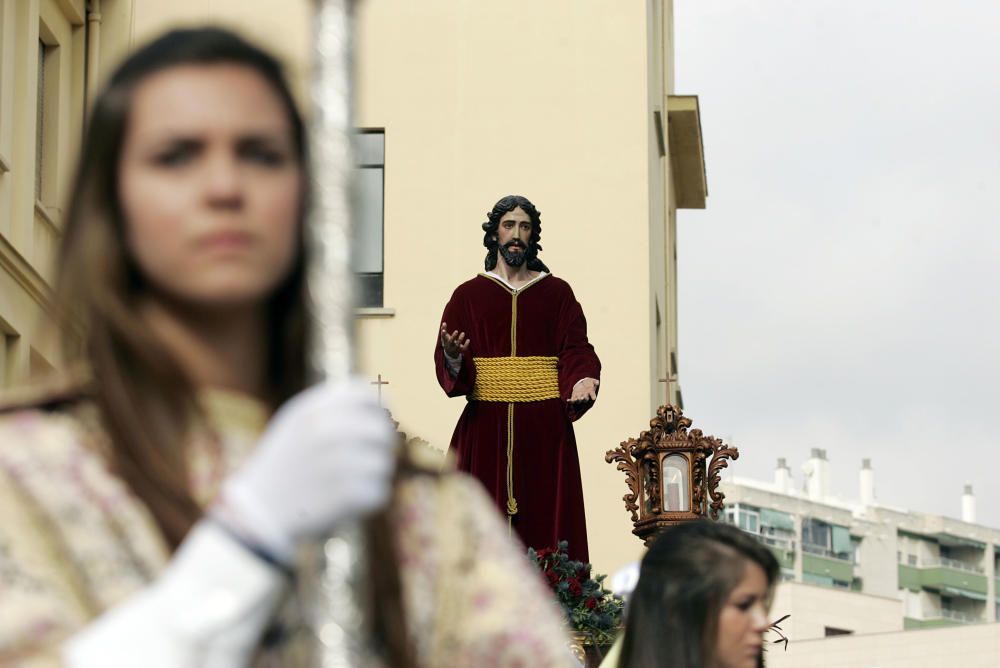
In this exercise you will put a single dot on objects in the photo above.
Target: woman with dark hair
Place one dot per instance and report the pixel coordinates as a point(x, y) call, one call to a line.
point(701, 601)
point(151, 505)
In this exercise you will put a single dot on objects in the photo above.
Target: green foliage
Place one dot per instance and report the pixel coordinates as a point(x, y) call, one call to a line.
point(590, 608)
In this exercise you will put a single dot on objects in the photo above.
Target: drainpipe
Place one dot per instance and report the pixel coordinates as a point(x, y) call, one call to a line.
point(93, 51)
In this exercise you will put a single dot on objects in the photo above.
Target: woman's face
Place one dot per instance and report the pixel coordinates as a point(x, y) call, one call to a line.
point(210, 185)
point(743, 621)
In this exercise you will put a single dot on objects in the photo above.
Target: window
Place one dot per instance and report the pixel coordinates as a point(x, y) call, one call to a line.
point(911, 560)
point(40, 121)
point(369, 222)
point(47, 100)
point(816, 533)
point(675, 483)
point(746, 518)
point(777, 529)
point(828, 540)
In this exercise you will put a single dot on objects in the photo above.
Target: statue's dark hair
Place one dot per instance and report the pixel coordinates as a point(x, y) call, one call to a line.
point(684, 582)
point(490, 227)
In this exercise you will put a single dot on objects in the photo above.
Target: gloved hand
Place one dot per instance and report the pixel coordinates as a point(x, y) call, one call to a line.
point(326, 456)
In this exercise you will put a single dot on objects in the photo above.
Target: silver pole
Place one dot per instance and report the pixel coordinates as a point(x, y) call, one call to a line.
point(333, 582)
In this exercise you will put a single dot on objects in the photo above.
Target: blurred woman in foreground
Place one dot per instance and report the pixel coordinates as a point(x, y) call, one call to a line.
point(151, 506)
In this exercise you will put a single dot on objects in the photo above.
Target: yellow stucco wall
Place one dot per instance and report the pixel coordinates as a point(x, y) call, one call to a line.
point(551, 100)
point(282, 26)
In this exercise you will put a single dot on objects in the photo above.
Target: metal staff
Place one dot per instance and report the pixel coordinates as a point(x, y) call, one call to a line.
point(333, 580)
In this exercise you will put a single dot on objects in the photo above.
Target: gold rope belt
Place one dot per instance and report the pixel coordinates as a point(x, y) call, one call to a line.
point(516, 379)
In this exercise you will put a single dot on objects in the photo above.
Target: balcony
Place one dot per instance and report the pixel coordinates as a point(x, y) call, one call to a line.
point(939, 622)
point(958, 616)
point(966, 582)
point(957, 565)
point(783, 549)
point(827, 566)
point(786, 544)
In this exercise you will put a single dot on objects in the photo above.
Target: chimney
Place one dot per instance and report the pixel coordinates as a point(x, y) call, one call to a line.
point(968, 505)
point(867, 483)
point(817, 470)
point(782, 477)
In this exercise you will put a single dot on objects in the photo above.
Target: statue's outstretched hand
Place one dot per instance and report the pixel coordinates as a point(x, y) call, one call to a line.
point(585, 390)
point(454, 344)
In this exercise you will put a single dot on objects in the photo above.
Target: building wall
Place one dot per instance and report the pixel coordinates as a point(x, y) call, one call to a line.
point(42, 80)
point(877, 566)
point(940, 571)
point(975, 646)
point(282, 26)
point(553, 101)
point(814, 609)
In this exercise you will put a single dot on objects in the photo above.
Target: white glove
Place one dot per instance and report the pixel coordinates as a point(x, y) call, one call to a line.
point(327, 456)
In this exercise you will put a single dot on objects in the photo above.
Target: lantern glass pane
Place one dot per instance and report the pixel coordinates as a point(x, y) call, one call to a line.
point(676, 488)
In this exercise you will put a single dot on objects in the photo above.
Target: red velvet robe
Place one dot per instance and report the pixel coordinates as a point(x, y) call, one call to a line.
point(546, 469)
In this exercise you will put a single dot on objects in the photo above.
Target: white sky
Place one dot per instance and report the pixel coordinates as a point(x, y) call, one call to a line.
point(840, 290)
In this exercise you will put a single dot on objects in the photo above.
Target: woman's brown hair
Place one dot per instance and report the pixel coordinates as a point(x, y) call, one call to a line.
point(672, 618)
point(146, 402)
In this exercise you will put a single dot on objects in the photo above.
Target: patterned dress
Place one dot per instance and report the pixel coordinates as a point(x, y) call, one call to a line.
point(74, 542)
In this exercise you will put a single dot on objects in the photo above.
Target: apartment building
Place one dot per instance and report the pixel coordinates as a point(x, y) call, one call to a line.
point(921, 571)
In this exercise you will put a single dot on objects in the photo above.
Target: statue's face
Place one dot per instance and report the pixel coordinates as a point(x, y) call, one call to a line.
point(513, 236)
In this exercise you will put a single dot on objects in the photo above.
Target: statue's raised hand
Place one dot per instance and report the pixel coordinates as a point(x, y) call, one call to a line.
point(454, 344)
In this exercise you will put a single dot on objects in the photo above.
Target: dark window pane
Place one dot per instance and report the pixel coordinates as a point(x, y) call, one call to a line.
point(369, 290)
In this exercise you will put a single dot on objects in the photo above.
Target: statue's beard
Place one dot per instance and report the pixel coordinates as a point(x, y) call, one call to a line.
point(514, 258)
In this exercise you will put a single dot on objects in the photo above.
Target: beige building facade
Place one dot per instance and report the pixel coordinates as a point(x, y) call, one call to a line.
point(568, 103)
point(42, 98)
point(968, 647)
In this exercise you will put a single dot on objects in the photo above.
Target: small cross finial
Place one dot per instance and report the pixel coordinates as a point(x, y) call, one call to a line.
point(379, 383)
point(672, 378)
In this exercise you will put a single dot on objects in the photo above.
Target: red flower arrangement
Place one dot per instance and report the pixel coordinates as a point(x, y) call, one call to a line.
point(591, 609)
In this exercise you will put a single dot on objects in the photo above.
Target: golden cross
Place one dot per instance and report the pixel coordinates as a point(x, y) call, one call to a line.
point(379, 383)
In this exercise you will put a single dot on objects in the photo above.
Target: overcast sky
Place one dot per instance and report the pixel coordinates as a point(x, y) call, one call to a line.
point(840, 290)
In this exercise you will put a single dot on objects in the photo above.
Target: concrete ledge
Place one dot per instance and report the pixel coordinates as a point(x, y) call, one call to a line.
point(377, 312)
point(26, 276)
point(687, 155)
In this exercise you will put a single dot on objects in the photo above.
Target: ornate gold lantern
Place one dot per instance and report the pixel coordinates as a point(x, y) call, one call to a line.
point(672, 474)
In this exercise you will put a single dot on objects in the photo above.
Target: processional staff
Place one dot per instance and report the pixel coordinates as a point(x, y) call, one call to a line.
point(334, 577)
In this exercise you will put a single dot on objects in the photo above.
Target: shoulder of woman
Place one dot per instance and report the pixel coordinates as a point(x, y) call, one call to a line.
point(47, 393)
point(44, 424)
